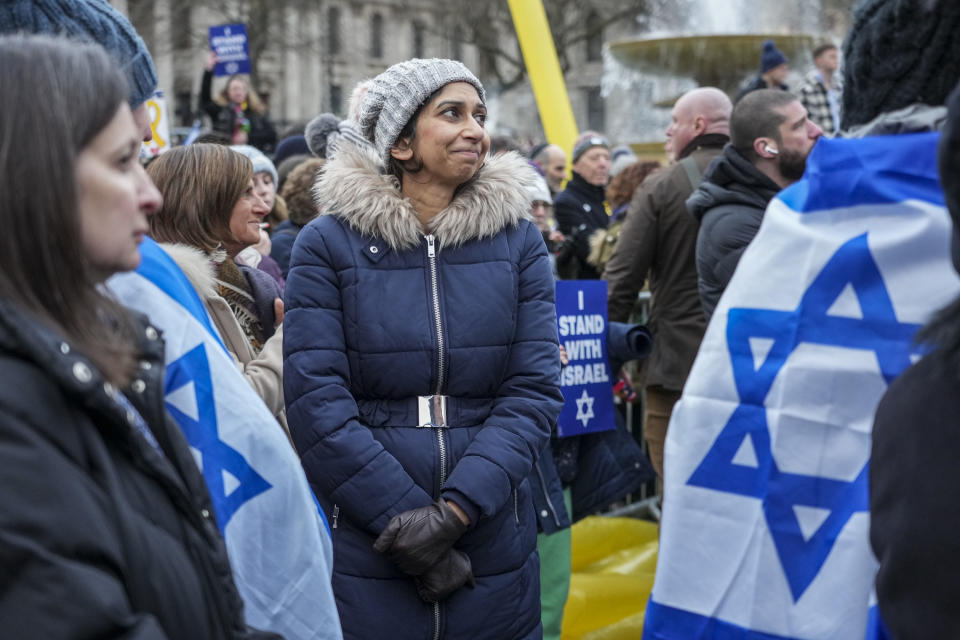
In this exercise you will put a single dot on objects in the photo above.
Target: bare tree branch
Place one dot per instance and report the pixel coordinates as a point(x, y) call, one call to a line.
point(488, 26)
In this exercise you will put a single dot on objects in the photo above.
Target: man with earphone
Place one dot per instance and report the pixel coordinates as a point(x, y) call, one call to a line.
point(770, 139)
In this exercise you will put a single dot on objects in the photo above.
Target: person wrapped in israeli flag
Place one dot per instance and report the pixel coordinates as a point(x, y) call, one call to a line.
point(277, 539)
point(766, 515)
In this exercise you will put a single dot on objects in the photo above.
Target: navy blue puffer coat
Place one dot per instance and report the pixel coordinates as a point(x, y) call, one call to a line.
point(379, 314)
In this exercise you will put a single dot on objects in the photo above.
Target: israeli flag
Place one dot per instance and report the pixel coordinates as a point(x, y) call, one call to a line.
point(766, 519)
point(276, 537)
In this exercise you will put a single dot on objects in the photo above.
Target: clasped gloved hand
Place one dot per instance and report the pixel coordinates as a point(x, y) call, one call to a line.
point(417, 539)
point(446, 576)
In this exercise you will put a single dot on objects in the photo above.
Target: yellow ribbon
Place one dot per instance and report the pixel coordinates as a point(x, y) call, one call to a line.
point(155, 111)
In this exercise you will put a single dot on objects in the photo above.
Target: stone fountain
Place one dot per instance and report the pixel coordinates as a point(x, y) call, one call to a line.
point(716, 60)
point(707, 43)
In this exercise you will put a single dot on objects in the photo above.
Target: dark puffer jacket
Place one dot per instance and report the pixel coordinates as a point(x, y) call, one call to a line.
point(579, 210)
point(281, 244)
point(729, 205)
point(102, 534)
point(374, 320)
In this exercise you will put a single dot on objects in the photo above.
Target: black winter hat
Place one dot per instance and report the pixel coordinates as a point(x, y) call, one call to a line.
point(899, 52)
point(295, 145)
point(771, 57)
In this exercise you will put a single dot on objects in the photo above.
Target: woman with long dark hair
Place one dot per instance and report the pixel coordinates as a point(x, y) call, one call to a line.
point(106, 526)
point(421, 365)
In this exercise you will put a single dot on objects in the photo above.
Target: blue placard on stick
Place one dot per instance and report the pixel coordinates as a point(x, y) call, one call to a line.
point(230, 43)
point(586, 382)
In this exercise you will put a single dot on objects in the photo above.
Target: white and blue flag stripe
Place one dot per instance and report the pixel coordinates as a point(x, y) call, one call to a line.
point(276, 537)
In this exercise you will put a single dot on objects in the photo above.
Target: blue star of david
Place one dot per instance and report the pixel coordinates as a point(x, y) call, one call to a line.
point(216, 455)
point(878, 331)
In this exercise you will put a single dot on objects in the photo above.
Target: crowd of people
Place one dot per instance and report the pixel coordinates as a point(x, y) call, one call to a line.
point(385, 285)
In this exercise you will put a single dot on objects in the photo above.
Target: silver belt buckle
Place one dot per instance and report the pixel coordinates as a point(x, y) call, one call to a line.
point(432, 411)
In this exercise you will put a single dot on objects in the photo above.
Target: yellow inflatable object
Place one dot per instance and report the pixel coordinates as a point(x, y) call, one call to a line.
point(546, 77)
point(613, 562)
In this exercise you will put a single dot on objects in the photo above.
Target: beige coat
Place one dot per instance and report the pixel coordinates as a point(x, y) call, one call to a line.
point(264, 371)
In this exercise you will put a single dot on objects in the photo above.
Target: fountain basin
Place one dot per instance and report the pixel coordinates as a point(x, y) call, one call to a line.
point(717, 60)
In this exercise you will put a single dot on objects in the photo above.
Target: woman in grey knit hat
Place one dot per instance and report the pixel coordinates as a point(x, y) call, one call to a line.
point(421, 366)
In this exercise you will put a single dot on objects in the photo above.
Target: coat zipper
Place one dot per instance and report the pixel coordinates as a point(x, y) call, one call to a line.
point(438, 321)
point(435, 289)
point(546, 494)
point(516, 507)
point(336, 515)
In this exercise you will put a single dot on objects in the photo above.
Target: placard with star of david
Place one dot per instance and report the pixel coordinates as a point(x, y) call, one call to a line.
point(586, 382)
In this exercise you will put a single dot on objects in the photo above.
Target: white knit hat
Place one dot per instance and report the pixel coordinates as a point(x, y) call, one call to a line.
point(538, 190)
point(396, 94)
point(261, 163)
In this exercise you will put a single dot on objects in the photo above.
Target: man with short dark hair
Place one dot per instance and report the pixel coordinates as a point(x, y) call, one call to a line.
point(820, 93)
point(770, 139)
point(773, 71)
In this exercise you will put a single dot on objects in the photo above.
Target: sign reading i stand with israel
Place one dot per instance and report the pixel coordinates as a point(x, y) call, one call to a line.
point(276, 537)
point(586, 383)
point(766, 521)
point(229, 41)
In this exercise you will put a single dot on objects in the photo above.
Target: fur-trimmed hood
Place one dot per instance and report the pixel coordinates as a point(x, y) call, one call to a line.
point(196, 265)
point(354, 187)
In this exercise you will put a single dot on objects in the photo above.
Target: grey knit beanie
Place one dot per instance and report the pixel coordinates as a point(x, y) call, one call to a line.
point(396, 94)
point(261, 163)
point(326, 133)
point(586, 141)
point(90, 21)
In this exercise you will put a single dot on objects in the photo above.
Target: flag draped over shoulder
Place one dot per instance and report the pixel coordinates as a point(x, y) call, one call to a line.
point(276, 537)
point(766, 521)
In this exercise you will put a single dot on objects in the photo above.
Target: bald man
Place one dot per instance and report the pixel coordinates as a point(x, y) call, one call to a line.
point(659, 238)
point(553, 162)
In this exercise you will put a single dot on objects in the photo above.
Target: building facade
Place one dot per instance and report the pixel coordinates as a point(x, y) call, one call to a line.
point(310, 54)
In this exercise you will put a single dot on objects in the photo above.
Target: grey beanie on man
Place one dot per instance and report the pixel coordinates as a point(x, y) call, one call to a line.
point(396, 94)
point(90, 21)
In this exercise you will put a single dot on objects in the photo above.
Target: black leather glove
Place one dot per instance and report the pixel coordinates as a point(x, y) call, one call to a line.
point(416, 540)
point(446, 576)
